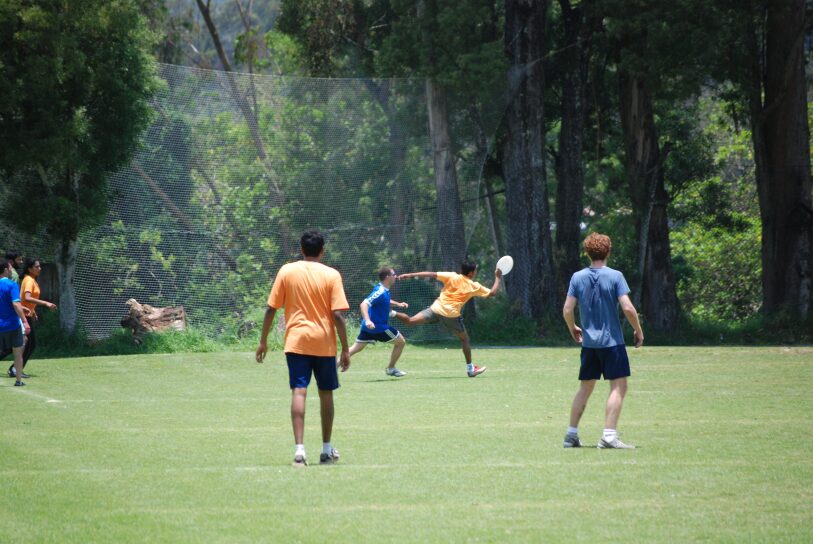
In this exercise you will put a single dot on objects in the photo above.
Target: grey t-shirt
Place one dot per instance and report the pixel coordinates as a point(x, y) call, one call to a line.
point(598, 290)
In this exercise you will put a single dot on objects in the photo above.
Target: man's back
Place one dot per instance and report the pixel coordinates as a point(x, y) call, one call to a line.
point(598, 290)
point(310, 292)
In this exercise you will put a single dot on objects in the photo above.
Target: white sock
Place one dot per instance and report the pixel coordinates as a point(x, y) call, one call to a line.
point(300, 449)
point(573, 430)
point(610, 434)
point(470, 367)
point(326, 448)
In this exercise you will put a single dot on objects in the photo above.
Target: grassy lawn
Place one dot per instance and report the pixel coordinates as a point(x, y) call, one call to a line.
point(197, 448)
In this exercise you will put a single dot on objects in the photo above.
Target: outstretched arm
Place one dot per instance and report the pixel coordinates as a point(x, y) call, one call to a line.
point(496, 286)
point(432, 275)
point(28, 297)
point(262, 349)
point(632, 316)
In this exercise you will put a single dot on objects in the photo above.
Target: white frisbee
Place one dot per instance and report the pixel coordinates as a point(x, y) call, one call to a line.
point(505, 264)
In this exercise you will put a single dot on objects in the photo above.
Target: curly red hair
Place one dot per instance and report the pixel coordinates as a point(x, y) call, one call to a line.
point(597, 246)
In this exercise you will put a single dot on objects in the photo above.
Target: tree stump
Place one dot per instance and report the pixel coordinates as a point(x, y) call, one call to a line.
point(143, 318)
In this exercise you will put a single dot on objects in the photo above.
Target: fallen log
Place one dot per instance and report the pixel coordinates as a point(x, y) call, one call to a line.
point(143, 318)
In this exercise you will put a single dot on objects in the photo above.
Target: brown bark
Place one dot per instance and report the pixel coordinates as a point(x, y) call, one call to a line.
point(451, 234)
point(569, 161)
point(531, 285)
point(781, 138)
point(654, 288)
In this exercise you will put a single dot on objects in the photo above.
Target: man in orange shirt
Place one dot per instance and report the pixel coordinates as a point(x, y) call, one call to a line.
point(313, 297)
point(457, 290)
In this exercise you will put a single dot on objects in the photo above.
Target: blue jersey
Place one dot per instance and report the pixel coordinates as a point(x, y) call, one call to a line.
point(379, 308)
point(598, 290)
point(9, 293)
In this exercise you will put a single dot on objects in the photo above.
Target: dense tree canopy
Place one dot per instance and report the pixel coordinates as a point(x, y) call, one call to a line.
point(680, 128)
point(76, 80)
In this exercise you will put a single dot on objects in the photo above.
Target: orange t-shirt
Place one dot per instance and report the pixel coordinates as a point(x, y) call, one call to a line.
point(456, 292)
point(29, 284)
point(310, 292)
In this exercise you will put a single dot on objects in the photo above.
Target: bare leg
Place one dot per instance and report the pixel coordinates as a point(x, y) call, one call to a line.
point(400, 342)
point(465, 344)
point(357, 347)
point(298, 397)
point(18, 362)
point(580, 401)
point(326, 402)
point(618, 389)
point(416, 319)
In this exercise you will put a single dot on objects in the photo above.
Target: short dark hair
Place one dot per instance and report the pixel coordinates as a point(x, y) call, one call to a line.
point(5, 263)
point(467, 266)
point(12, 255)
point(384, 272)
point(312, 243)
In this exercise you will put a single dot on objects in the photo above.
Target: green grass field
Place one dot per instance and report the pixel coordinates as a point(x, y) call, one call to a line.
point(197, 448)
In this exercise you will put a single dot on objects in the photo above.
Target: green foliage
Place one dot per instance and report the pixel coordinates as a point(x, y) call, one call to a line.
point(54, 342)
point(718, 272)
point(76, 79)
point(499, 323)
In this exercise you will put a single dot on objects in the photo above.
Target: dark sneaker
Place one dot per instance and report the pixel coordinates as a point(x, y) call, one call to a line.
point(12, 373)
point(329, 458)
point(18, 383)
point(572, 441)
point(24, 376)
point(476, 371)
point(300, 460)
point(614, 444)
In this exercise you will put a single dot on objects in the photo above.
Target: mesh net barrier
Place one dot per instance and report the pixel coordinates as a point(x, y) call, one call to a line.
point(235, 167)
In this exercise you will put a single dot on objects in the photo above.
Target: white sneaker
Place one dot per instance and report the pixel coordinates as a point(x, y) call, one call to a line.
point(395, 372)
point(614, 444)
point(300, 460)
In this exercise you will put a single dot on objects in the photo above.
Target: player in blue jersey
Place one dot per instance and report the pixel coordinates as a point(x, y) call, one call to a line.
point(13, 323)
point(375, 315)
point(599, 291)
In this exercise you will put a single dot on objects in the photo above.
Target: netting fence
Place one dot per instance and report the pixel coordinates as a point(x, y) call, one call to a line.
point(236, 166)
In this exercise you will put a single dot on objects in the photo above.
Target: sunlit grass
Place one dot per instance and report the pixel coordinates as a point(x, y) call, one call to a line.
point(197, 448)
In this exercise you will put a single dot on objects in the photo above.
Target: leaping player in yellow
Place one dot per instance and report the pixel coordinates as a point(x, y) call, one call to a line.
point(457, 290)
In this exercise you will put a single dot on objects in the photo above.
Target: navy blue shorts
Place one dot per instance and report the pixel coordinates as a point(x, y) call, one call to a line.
point(612, 362)
point(11, 339)
point(300, 368)
point(387, 334)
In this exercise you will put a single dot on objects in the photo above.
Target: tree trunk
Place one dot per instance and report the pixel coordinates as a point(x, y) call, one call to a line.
point(531, 285)
point(570, 163)
point(781, 137)
point(66, 267)
point(451, 234)
point(654, 286)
